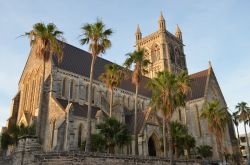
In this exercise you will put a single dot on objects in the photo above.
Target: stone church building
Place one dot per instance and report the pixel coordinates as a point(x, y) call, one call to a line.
point(64, 107)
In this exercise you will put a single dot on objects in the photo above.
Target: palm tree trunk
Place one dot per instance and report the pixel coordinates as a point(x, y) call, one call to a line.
point(176, 151)
point(238, 136)
point(135, 122)
point(248, 155)
point(170, 143)
point(38, 124)
point(164, 138)
point(88, 134)
point(111, 102)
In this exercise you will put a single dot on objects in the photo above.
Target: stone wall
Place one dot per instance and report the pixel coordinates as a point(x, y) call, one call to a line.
point(29, 152)
point(103, 159)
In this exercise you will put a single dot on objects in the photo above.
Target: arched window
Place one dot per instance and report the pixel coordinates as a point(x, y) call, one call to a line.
point(79, 135)
point(25, 96)
point(155, 53)
point(53, 132)
point(72, 89)
point(32, 95)
point(38, 91)
point(65, 88)
point(87, 92)
point(93, 95)
point(177, 56)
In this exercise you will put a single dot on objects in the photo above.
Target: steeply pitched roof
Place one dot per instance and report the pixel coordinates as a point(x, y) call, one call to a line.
point(198, 84)
point(130, 119)
point(78, 61)
point(79, 110)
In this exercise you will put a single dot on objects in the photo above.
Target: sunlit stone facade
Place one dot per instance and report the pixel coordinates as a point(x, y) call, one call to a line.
point(64, 107)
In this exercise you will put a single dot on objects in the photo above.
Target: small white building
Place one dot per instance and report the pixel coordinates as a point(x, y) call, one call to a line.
point(243, 143)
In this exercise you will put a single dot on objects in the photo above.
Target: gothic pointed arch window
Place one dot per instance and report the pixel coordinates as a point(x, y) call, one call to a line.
point(177, 56)
point(155, 55)
point(79, 142)
point(53, 132)
point(72, 89)
point(93, 95)
point(65, 88)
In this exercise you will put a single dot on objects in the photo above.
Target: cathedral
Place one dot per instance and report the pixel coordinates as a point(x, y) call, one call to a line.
point(64, 107)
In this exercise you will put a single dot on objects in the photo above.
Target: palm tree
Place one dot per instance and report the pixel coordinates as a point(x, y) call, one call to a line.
point(189, 143)
point(178, 133)
point(217, 117)
point(112, 78)
point(114, 133)
point(44, 43)
point(96, 35)
point(244, 112)
point(235, 118)
point(168, 93)
point(140, 64)
point(205, 151)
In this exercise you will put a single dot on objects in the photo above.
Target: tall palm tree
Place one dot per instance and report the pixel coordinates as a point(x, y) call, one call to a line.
point(168, 94)
point(44, 43)
point(235, 118)
point(137, 59)
point(217, 117)
point(112, 77)
point(97, 36)
point(244, 112)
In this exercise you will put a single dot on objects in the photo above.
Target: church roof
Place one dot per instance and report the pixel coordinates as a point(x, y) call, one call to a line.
point(198, 84)
point(79, 110)
point(130, 119)
point(78, 61)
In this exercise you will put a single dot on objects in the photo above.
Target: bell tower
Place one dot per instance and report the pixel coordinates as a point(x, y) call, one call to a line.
point(163, 49)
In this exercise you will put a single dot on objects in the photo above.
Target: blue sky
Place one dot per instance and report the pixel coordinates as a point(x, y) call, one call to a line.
point(212, 30)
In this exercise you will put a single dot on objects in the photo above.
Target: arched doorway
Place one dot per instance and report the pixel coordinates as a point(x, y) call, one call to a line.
point(151, 147)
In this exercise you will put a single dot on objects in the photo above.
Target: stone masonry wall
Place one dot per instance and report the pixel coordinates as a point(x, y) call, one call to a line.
point(29, 152)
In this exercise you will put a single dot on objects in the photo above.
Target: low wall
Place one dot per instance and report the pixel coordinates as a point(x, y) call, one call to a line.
point(103, 159)
point(28, 152)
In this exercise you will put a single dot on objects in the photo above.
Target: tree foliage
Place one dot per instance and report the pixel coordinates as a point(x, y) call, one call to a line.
point(217, 117)
point(181, 139)
point(204, 151)
point(97, 37)
point(112, 77)
point(112, 133)
point(137, 59)
point(11, 135)
point(169, 92)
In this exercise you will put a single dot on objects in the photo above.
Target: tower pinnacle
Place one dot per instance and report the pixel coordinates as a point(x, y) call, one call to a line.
point(138, 34)
point(161, 22)
point(178, 33)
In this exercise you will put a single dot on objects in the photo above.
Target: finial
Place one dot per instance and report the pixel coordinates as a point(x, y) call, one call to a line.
point(209, 64)
point(161, 17)
point(178, 33)
point(138, 30)
point(178, 30)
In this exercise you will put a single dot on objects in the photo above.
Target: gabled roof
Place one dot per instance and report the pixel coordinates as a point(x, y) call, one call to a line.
point(198, 84)
point(79, 110)
point(78, 61)
point(130, 119)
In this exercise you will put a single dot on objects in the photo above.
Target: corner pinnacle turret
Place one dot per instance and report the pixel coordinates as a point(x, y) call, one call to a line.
point(178, 33)
point(161, 22)
point(138, 34)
